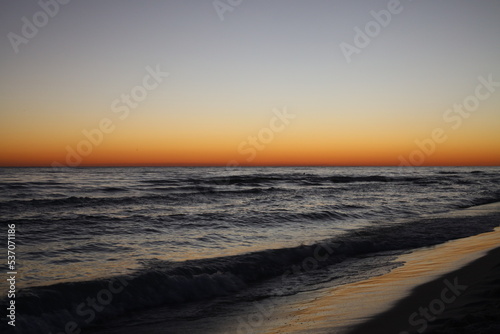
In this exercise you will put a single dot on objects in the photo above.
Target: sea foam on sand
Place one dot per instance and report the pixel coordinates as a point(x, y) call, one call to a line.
point(438, 289)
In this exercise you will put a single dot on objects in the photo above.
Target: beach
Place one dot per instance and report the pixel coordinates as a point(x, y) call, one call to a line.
point(254, 250)
point(447, 288)
point(250, 167)
point(466, 300)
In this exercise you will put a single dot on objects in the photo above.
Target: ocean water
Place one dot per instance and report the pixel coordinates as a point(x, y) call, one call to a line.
point(178, 235)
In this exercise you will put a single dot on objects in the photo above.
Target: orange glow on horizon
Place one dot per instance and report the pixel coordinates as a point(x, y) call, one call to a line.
point(304, 142)
point(270, 156)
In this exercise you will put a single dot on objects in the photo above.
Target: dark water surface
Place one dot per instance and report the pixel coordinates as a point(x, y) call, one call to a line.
point(183, 234)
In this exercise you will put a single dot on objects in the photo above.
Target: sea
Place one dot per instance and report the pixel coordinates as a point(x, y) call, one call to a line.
point(99, 247)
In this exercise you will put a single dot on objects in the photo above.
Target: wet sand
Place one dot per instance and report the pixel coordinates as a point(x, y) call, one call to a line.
point(466, 300)
point(444, 287)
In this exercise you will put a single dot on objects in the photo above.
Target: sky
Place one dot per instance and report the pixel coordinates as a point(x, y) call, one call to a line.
point(250, 82)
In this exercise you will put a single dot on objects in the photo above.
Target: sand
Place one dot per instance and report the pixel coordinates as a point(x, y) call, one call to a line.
point(439, 289)
point(463, 301)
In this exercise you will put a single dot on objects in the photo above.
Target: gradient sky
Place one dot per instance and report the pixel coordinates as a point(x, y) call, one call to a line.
point(226, 78)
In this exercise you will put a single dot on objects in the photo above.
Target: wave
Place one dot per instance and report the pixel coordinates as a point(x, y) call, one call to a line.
point(320, 215)
point(50, 308)
point(298, 178)
point(209, 186)
point(170, 194)
point(482, 199)
point(374, 178)
point(87, 201)
point(32, 185)
point(113, 189)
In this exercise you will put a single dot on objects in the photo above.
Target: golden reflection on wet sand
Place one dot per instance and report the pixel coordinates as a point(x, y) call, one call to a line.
point(334, 310)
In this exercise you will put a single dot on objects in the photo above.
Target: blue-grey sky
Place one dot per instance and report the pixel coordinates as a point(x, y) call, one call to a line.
point(225, 77)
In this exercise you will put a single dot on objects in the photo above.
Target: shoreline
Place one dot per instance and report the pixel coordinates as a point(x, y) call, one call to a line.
point(367, 306)
point(467, 299)
point(376, 305)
